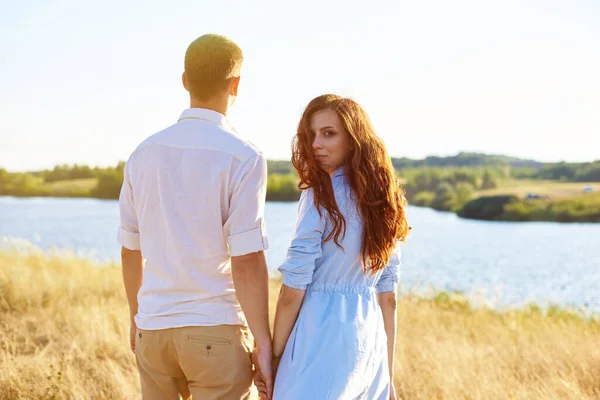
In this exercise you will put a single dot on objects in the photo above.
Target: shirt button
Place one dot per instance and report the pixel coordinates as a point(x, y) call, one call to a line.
point(208, 347)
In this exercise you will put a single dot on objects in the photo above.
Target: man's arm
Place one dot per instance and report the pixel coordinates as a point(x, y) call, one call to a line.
point(246, 237)
point(251, 281)
point(132, 263)
point(131, 256)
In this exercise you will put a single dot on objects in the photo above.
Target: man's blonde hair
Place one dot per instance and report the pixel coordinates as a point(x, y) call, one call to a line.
point(211, 61)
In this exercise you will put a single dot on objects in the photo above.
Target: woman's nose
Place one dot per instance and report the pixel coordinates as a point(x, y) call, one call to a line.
point(317, 143)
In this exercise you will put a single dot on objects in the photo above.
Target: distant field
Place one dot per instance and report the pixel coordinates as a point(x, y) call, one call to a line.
point(543, 188)
point(519, 188)
point(75, 186)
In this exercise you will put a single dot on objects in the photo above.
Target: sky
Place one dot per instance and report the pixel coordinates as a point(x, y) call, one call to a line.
point(86, 82)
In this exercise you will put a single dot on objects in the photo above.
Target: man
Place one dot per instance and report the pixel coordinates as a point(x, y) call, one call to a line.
point(192, 205)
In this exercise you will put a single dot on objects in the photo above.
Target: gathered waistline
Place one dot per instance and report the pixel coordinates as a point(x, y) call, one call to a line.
point(341, 288)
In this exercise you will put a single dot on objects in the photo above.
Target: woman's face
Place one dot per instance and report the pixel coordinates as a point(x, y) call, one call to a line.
point(331, 143)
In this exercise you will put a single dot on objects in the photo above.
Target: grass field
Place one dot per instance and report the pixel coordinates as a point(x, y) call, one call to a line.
point(553, 189)
point(72, 187)
point(64, 335)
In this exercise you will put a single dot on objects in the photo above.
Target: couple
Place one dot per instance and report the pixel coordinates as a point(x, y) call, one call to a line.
point(192, 205)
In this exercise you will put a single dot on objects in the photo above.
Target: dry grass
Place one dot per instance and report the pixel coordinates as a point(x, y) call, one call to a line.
point(554, 189)
point(447, 350)
point(64, 328)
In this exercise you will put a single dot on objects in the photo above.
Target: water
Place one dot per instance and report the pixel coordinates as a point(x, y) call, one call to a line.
point(500, 263)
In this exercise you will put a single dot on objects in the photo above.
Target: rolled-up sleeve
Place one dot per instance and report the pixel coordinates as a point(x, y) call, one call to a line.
point(129, 235)
point(388, 281)
point(244, 228)
point(305, 248)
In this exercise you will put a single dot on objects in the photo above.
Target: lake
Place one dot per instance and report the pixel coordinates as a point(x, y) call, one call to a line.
point(500, 263)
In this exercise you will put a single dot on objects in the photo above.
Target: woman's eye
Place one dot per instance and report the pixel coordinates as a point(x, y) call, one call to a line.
point(328, 133)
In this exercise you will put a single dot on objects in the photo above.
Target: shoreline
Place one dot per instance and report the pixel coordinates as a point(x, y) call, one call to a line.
point(500, 216)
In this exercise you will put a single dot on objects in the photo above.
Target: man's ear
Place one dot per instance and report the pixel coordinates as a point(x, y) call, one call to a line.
point(184, 81)
point(235, 83)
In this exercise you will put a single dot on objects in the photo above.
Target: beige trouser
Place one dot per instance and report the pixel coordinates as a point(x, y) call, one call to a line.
point(204, 362)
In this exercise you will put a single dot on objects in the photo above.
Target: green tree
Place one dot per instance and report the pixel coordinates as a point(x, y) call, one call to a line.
point(423, 199)
point(488, 182)
point(464, 192)
point(25, 184)
point(3, 176)
point(486, 208)
point(445, 197)
point(110, 181)
point(282, 187)
point(465, 176)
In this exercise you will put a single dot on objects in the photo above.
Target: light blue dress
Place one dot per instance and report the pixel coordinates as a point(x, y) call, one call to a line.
point(338, 346)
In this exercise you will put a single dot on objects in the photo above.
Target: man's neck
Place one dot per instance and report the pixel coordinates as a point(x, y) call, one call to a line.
point(219, 105)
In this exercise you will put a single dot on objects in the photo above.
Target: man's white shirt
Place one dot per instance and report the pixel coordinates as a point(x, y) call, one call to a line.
point(193, 196)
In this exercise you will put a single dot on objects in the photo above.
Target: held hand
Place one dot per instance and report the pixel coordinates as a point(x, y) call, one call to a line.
point(260, 384)
point(263, 375)
point(275, 366)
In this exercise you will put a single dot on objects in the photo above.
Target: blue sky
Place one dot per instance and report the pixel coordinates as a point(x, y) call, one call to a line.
point(84, 82)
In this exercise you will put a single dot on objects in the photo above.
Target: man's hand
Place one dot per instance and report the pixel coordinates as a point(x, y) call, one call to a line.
point(133, 266)
point(263, 375)
point(132, 330)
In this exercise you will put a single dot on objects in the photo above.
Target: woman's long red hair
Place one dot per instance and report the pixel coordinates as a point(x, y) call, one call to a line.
point(380, 198)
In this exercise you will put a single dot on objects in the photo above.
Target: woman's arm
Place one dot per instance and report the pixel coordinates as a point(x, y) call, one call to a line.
point(387, 287)
point(387, 302)
point(288, 307)
point(297, 269)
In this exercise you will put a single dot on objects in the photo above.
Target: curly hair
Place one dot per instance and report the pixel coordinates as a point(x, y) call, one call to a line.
point(380, 198)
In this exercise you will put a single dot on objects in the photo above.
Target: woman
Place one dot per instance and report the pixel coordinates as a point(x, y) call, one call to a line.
point(335, 322)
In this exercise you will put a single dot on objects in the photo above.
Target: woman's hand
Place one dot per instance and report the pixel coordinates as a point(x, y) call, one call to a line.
point(275, 365)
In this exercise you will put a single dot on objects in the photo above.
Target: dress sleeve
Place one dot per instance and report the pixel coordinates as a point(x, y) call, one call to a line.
point(305, 247)
point(388, 281)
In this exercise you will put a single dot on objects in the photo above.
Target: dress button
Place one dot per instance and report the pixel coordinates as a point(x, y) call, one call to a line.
point(140, 334)
point(208, 347)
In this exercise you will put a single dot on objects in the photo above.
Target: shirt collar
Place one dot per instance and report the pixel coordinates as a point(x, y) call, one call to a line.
point(338, 172)
point(206, 115)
